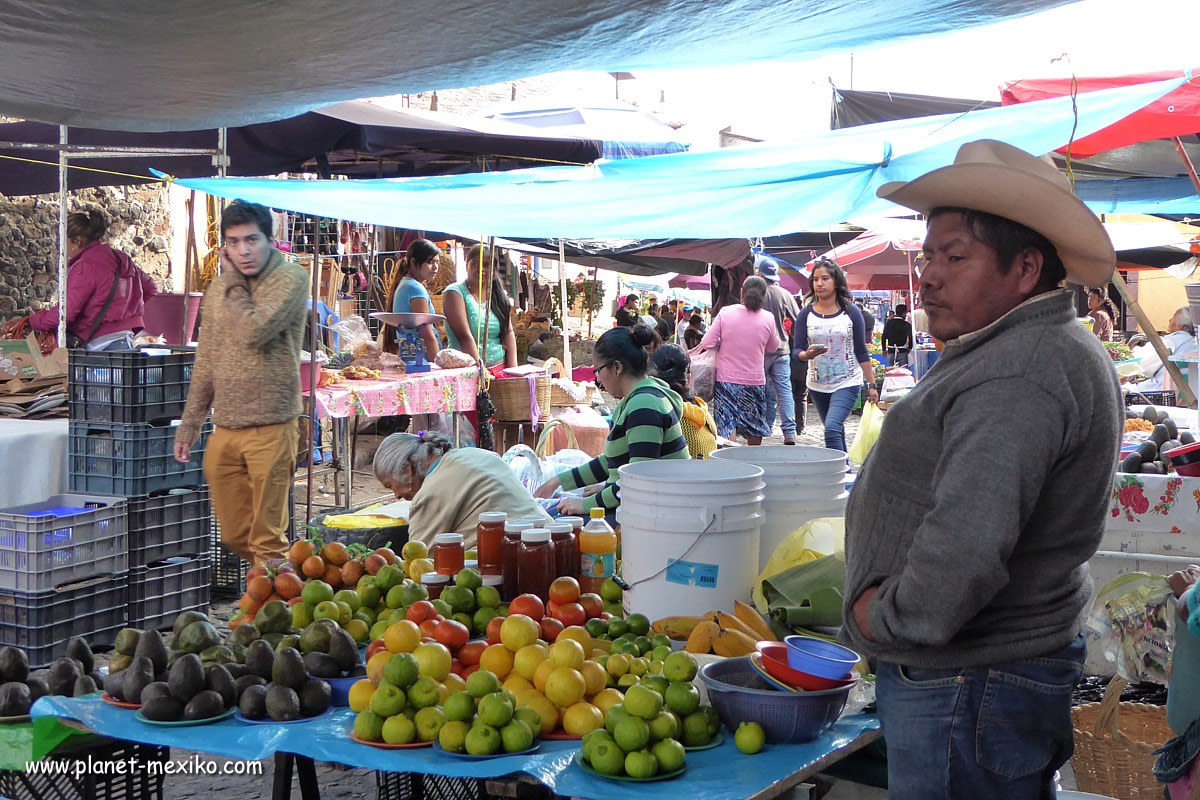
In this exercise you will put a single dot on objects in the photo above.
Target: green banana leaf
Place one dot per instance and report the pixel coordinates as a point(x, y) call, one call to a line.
point(807, 594)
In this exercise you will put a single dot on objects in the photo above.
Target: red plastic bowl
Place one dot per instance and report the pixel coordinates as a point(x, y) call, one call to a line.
point(774, 659)
point(1186, 460)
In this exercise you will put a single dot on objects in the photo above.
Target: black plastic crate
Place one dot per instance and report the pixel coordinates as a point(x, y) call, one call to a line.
point(416, 786)
point(135, 781)
point(133, 460)
point(41, 623)
point(1150, 399)
point(228, 568)
point(63, 539)
point(168, 525)
point(160, 592)
point(130, 385)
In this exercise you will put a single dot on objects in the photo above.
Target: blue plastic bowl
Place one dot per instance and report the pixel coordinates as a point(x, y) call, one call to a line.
point(820, 658)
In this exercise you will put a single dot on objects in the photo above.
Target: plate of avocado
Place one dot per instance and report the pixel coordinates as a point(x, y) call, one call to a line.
point(182, 723)
point(268, 721)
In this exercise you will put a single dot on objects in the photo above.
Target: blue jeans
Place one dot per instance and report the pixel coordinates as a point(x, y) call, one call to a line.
point(779, 385)
point(834, 408)
point(997, 732)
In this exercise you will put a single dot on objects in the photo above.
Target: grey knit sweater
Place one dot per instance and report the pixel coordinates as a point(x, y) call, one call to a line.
point(986, 494)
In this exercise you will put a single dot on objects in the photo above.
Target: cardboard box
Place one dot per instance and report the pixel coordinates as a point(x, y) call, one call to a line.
point(22, 358)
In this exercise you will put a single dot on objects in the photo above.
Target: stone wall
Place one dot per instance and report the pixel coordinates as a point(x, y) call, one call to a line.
point(140, 226)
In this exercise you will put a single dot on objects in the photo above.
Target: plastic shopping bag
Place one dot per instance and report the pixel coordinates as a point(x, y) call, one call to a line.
point(812, 540)
point(704, 372)
point(868, 431)
point(1133, 614)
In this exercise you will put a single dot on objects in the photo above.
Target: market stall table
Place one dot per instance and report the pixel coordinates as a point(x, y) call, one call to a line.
point(439, 391)
point(33, 460)
point(923, 361)
point(718, 774)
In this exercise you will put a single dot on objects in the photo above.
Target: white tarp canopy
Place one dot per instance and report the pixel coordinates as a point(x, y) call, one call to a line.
point(152, 65)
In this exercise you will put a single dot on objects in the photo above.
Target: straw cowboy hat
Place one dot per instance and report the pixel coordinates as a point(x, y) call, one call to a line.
point(999, 179)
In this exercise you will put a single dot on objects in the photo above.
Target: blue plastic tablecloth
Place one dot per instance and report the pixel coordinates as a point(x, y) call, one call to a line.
point(715, 774)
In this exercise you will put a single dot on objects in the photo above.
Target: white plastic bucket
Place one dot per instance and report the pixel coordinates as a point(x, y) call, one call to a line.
point(802, 484)
point(689, 535)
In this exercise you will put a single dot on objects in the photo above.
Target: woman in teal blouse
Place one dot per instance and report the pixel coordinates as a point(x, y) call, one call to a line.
point(460, 304)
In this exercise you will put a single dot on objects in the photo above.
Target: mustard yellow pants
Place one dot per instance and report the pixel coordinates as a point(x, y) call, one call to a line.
point(250, 472)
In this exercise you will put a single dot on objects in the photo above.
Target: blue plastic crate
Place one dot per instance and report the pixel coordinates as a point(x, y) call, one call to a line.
point(132, 460)
point(60, 540)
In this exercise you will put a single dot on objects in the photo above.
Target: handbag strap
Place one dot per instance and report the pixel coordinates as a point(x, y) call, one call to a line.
point(112, 294)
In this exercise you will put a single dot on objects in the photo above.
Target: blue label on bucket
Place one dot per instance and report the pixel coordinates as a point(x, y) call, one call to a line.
point(692, 573)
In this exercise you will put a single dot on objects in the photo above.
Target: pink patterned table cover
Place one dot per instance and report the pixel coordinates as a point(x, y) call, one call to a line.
point(438, 391)
point(1155, 503)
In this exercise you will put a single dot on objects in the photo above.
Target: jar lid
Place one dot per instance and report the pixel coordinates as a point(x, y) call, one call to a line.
point(493, 580)
point(560, 527)
point(575, 522)
point(492, 517)
point(597, 513)
point(518, 525)
point(434, 577)
point(448, 538)
point(471, 563)
point(535, 535)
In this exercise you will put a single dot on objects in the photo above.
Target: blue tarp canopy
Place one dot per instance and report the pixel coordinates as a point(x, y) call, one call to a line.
point(756, 190)
point(188, 66)
point(1164, 196)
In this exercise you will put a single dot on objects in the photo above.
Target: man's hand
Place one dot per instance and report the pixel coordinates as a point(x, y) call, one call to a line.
point(862, 612)
point(183, 452)
point(1181, 580)
point(226, 262)
point(872, 394)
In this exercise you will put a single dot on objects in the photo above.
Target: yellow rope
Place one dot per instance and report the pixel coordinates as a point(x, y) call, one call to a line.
point(152, 178)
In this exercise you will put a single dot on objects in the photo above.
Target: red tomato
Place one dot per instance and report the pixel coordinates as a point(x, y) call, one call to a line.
point(470, 653)
point(420, 611)
point(552, 609)
point(493, 630)
point(451, 633)
point(469, 671)
point(528, 604)
point(564, 590)
point(593, 606)
point(571, 614)
point(551, 628)
point(375, 647)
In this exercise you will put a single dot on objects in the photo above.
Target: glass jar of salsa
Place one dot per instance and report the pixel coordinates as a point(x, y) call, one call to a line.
point(434, 582)
point(566, 549)
point(448, 553)
point(536, 570)
point(510, 557)
point(489, 542)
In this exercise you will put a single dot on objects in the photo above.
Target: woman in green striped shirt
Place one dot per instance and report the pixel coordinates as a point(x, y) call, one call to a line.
point(645, 424)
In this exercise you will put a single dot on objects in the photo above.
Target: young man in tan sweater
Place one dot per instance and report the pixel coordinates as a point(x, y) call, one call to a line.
point(247, 373)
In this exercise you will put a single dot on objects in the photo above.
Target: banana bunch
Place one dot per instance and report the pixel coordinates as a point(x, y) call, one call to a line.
point(729, 635)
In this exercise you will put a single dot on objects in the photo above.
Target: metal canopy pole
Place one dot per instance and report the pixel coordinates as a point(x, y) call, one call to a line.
point(62, 236)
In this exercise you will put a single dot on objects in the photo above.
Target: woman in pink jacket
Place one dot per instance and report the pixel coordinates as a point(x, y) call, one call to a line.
point(742, 335)
point(94, 268)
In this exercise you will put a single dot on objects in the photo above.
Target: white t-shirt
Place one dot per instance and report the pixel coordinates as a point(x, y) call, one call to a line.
point(837, 368)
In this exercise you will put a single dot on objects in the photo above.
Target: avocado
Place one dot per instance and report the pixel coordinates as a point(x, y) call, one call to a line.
point(1172, 428)
point(283, 704)
point(151, 646)
point(63, 673)
point(14, 664)
point(253, 702)
point(97, 677)
point(288, 669)
point(320, 665)
point(343, 650)
point(315, 697)
point(113, 685)
point(1150, 414)
point(197, 637)
point(236, 670)
point(219, 681)
point(238, 650)
point(38, 687)
point(274, 617)
point(84, 685)
point(217, 654)
point(1187, 438)
point(272, 639)
point(186, 678)
point(118, 662)
point(260, 657)
point(288, 640)
point(185, 619)
point(79, 650)
point(243, 635)
point(1159, 434)
point(205, 705)
point(1129, 414)
point(15, 699)
point(240, 685)
point(1168, 446)
point(1163, 416)
point(1147, 451)
point(1131, 463)
point(1153, 468)
point(163, 709)
point(156, 689)
point(138, 676)
point(316, 637)
point(127, 642)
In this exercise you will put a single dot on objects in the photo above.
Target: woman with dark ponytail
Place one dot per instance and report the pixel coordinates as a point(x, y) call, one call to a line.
point(1103, 314)
point(409, 295)
point(106, 292)
point(670, 364)
point(645, 424)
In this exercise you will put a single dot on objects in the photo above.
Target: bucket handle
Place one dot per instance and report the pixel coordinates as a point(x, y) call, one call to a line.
point(696, 541)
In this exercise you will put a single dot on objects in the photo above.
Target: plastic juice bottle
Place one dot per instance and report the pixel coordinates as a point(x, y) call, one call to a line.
point(597, 552)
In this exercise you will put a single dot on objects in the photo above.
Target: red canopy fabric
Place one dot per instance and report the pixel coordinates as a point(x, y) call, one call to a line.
point(1174, 114)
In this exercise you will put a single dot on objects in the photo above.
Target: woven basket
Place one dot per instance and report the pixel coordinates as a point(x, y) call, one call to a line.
point(1114, 742)
point(563, 390)
point(510, 396)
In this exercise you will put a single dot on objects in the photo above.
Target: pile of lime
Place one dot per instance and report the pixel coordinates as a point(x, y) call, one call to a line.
point(483, 720)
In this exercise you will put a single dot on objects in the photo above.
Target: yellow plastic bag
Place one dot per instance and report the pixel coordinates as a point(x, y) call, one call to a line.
point(812, 540)
point(868, 431)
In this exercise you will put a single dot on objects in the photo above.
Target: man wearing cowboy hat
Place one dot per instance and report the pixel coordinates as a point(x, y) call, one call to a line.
point(970, 526)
